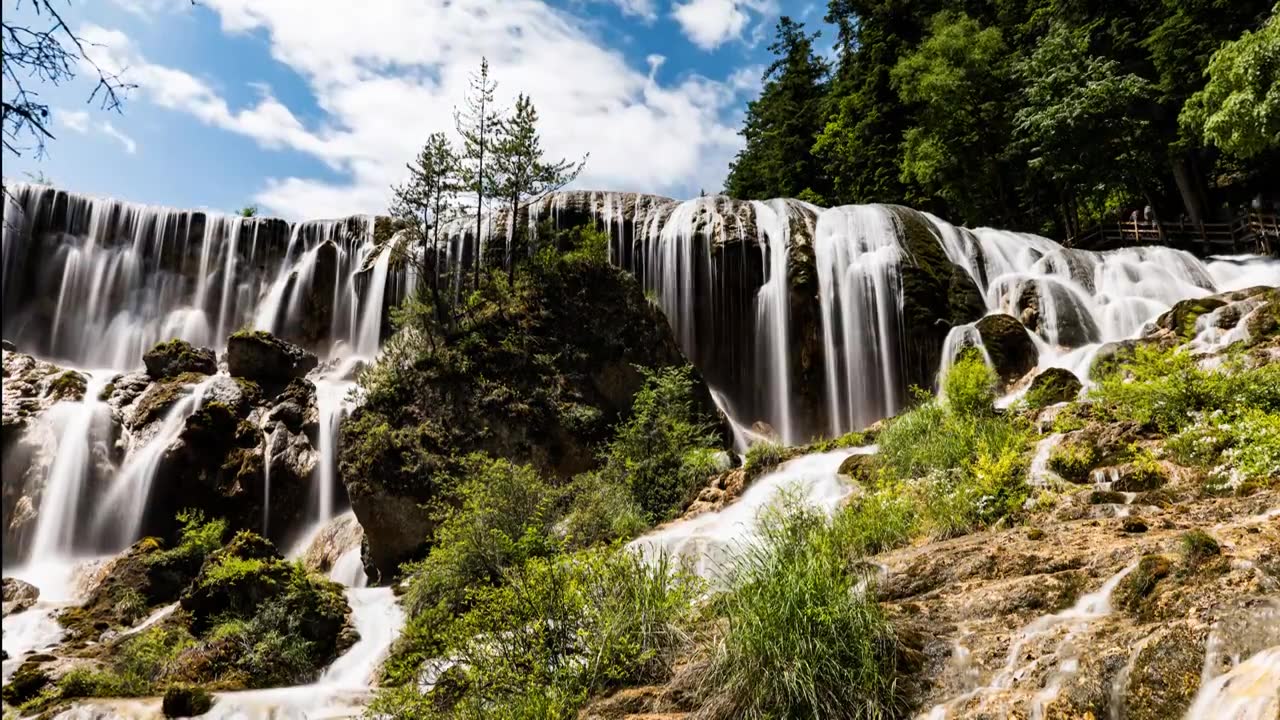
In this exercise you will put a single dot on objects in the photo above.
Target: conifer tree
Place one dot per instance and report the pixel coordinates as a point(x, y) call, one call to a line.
point(478, 123)
point(425, 203)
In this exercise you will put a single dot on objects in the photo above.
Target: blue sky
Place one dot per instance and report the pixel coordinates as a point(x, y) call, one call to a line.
point(309, 108)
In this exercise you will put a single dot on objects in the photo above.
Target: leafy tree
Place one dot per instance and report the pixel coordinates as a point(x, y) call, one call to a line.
point(1077, 122)
point(478, 122)
point(1239, 109)
point(782, 125)
point(959, 80)
point(523, 173)
point(248, 211)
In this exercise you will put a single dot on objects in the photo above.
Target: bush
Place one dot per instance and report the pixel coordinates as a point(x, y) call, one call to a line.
point(600, 512)
point(1073, 460)
point(558, 630)
point(804, 635)
point(764, 456)
point(970, 386)
point(663, 452)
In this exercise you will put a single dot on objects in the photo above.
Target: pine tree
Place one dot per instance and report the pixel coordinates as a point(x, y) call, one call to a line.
point(478, 123)
point(425, 203)
point(783, 123)
point(522, 174)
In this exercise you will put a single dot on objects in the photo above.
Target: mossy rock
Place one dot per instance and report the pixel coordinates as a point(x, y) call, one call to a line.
point(160, 396)
point(70, 385)
point(267, 359)
point(1181, 318)
point(1263, 323)
point(1141, 582)
point(1106, 497)
point(26, 683)
point(1053, 386)
point(1012, 351)
point(186, 701)
point(859, 468)
point(1074, 459)
point(1111, 357)
point(176, 357)
point(1165, 676)
point(1138, 477)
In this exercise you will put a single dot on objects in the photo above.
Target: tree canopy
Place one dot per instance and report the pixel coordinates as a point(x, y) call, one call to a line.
point(1045, 115)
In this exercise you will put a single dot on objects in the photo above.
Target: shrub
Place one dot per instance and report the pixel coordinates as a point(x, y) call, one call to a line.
point(600, 512)
point(1198, 546)
point(970, 386)
point(876, 522)
point(1073, 460)
point(804, 636)
point(1255, 449)
point(852, 439)
point(653, 452)
point(764, 456)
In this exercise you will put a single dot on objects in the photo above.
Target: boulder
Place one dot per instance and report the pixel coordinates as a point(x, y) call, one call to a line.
point(1012, 351)
point(1053, 386)
point(181, 701)
point(1181, 318)
point(1111, 356)
point(266, 359)
point(18, 595)
point(175, 357)
point(859, 468)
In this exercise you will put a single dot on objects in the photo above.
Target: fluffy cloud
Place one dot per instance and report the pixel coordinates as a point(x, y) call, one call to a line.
point(78, 121)
point(711, 23)
point(388, 74)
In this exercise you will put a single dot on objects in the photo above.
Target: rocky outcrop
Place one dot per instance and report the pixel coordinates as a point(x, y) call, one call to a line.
point(492, 389)
point(1012, 352)
point(175, 357)
point(1052, 386)
point(18, 595)
point(264, 358)
point(1181, 318)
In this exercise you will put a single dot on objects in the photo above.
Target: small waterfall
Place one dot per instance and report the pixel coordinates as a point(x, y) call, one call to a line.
point(857, 255)
point(330, 402)
point(1249, 691)
point(709, 541)
point(60, 502)
point(125, 505)
point(369, 334)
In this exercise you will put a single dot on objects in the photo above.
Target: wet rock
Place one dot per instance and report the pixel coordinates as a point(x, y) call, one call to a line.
point(26, 683)
point(1134, 477)
point(1011, 349)
point(265, 358)
point(1165, 675)
point(335, 539)
point(1181, 318)
point(1141, 582)
point(859, 468)
point(295, 407)
point(1053, 386)
point(175, 357)
point(18, 595)
point(182, 701)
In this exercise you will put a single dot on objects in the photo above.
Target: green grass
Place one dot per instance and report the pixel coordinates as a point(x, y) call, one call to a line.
point(1198, 546)
point(764, 456)
point(803, 636)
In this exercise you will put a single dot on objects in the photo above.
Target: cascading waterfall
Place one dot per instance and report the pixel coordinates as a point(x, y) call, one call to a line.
point(857, 255)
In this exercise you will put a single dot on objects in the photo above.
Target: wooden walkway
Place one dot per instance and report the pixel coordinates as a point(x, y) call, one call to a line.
point(1252, 232)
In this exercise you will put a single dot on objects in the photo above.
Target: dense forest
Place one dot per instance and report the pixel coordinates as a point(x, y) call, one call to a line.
point(1046, 115)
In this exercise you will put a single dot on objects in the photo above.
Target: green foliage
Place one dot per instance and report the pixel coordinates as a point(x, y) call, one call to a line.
point(783, 122)
point(1198, 546)
point(600, 512)
point(137, 667)
point(764, 456)
point(1073, 461)
point(248, 211)
point(970, 386)
point(851, 439)
point(557, 630)
point(805, 636)
point(663, 452)
point(1238, 110)
point(197, 539)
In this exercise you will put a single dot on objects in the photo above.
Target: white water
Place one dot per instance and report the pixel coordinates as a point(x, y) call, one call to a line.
point(1249, 691)
point(710, 540)
point(61, 584)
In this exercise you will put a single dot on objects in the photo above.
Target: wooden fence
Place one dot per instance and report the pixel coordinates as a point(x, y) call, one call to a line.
point(1252, 232)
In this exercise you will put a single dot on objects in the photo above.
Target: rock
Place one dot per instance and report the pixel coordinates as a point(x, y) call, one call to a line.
point(8, 346)
point(26, 683)
point(18, 595)
point(859, 468)
point(182, 701)
point(1012, 351)
point(296, 407)
point(1135, 477)
point(337, 537)
point(1165, 675)
point(1133, 525)
point(1053, 386)
point(1181, 318)
point(1263, 323)
point(175, 357)
point(68, 385)
point(1141, 582)
point(265, 358)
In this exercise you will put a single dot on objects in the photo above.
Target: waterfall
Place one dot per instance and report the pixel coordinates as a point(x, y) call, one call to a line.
point(858, 258)
point(60, 502)
point(125, 505)
point(773, 225)
point(330, 398)
point(368, 334)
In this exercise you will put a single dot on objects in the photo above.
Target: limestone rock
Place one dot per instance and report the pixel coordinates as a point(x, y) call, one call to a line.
point(1012, 352)
point(265, 358)
point(175, 357)
point(18, 595)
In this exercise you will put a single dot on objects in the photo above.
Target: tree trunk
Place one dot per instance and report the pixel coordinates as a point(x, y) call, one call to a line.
point(1186, 173)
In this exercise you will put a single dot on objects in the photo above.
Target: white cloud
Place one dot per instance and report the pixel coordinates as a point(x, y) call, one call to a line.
point(646, 10)
point(712, 23)
point(75, 120)
point(147, 9)
point(388, 74)
point(109, 130)
point(78, 121)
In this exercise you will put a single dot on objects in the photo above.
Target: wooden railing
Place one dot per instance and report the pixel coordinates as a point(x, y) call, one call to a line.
point(1252, 232)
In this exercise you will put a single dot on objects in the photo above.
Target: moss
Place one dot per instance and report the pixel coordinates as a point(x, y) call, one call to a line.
point(26, 684)
point(175, 357)
point(1181, 318)
point(1106, 497)
point(1264, 323)
point(160, 396)
point(70, 385)
point(186, 701)
point(1138, 585)
point(1074, 460)
point(107, 391)
point(1051, 387)
point(859, 468)
point(1165, 676)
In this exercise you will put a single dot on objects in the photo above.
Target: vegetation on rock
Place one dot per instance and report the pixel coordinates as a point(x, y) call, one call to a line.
point(175, 357)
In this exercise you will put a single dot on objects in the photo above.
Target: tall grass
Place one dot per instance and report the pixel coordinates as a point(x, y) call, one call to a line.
point(804, 636)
